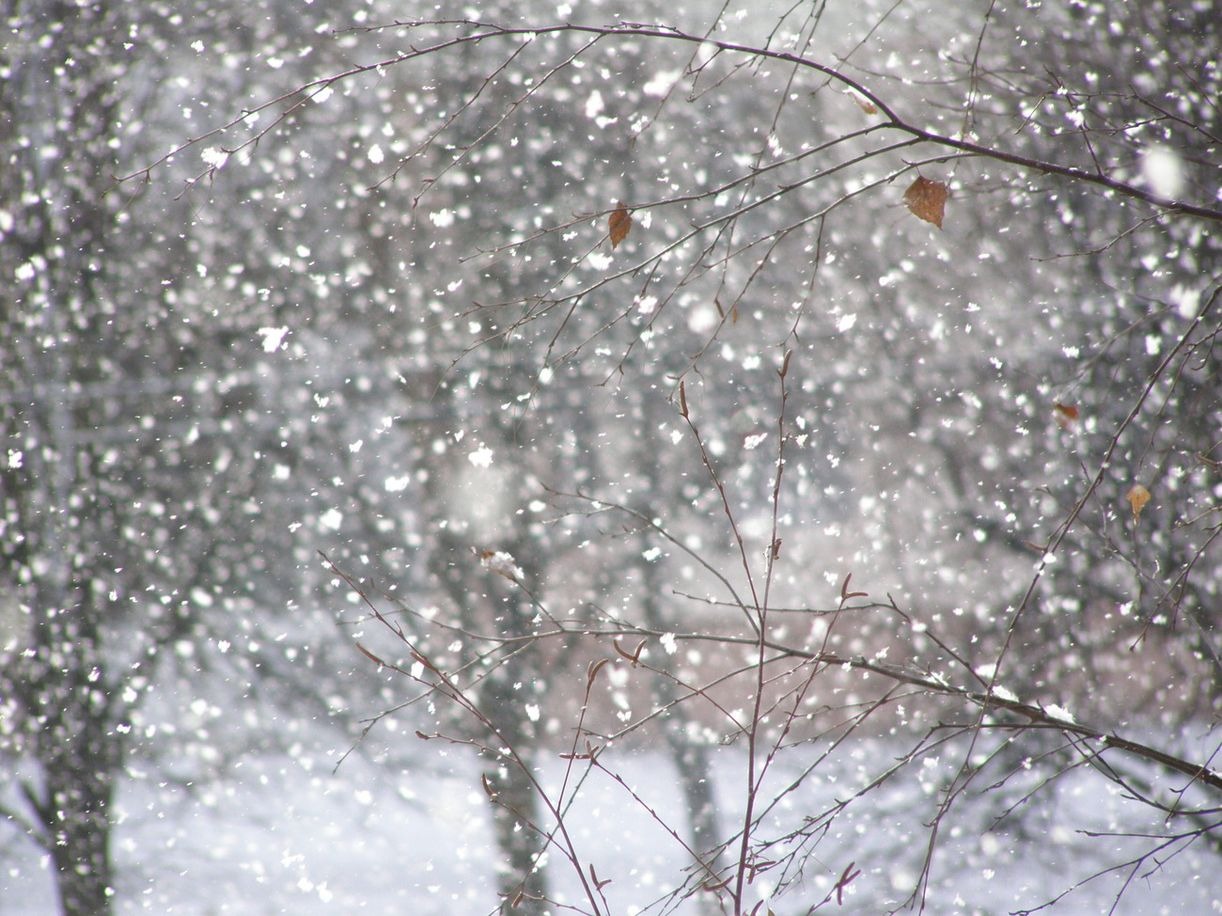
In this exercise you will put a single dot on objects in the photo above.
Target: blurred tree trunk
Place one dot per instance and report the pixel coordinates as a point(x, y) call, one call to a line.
point(79, 758)
point(58, 111)
point(516, 810)
point(502, 698)
point(692, 758)
point(483, 601)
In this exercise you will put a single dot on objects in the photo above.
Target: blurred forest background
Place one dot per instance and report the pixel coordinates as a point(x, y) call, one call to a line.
point(359, 334)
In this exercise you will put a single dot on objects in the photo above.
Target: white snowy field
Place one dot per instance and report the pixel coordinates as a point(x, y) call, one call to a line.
point(282, 834)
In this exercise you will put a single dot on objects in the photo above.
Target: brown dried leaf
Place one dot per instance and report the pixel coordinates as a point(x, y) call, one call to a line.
point(1066, 415)
point(1137, 496)
point(927, 200)
point(619, 225)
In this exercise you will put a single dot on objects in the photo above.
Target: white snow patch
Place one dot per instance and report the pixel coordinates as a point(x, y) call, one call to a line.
point(214, 156)
point(661, 83)
point(503, 564)
point(273, 338)
point(595, 105)
point(1163, 171)
point(753, 441)
point(1005, 693)
point(702, 319)
point(481, 457)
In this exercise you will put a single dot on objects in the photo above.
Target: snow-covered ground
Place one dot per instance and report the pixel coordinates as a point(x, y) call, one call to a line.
point(282, 834)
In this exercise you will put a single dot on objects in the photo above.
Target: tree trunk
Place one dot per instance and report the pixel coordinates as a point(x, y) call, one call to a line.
point(481, 600)
point(516, 811)
point(64, 96)
point(692, 760)
point(521, 881)
point(79, 753)
point(79, 828)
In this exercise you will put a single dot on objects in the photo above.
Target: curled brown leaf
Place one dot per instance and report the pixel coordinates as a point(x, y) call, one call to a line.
point(927, 200)
point(619, 225)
